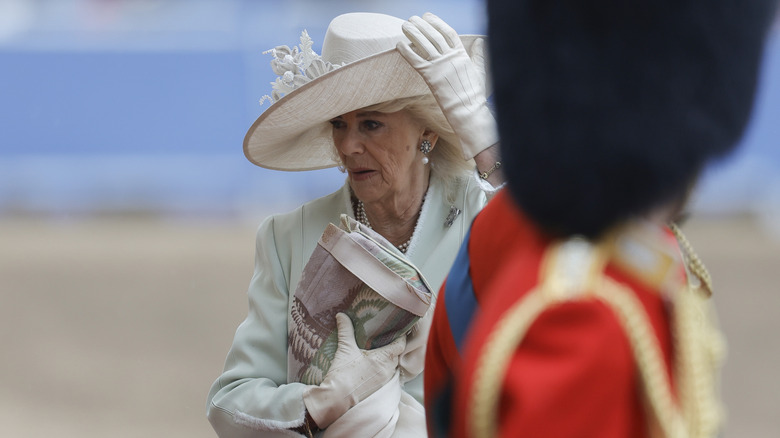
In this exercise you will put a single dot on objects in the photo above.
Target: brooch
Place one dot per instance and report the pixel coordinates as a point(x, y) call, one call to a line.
point(454, 212)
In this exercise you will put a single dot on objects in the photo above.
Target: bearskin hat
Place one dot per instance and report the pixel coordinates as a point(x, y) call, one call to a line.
point(610, 108)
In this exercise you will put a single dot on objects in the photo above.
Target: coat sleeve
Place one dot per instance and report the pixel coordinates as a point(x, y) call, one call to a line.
point(252, 396)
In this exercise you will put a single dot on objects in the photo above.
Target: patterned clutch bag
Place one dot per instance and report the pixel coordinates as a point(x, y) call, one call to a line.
point(356, 271)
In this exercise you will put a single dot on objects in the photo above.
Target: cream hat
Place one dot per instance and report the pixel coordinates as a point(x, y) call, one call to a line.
point(359, 67)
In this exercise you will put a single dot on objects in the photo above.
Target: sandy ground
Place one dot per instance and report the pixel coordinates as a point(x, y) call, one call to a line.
point(117, 326)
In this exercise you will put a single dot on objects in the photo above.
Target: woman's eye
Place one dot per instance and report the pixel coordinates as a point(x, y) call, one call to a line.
point(336, 124)
point(371, 124)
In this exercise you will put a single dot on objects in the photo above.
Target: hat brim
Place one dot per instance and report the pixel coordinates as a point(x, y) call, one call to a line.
point(293, 134)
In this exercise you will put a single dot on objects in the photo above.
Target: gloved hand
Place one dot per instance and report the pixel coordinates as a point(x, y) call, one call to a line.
point(457, 81)
point(354, 375)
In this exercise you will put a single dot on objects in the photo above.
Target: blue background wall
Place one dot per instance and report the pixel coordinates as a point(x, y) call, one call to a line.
point(142, 106)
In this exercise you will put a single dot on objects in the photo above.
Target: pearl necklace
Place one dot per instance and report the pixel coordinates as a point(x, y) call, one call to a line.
point(360, 215)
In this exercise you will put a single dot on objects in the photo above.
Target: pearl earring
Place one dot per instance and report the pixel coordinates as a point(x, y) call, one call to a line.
point(425, 148)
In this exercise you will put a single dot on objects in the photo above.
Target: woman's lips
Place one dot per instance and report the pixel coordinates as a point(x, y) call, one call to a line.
point(360, 174)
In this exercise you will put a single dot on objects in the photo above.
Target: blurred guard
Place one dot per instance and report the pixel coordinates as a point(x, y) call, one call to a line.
point(585, 313)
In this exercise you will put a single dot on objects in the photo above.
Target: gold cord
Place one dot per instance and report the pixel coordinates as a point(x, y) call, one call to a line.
point(494, 360)
point(647, 352)
point(692, 261)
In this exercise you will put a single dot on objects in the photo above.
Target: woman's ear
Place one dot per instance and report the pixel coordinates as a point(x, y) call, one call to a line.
point(431, 136)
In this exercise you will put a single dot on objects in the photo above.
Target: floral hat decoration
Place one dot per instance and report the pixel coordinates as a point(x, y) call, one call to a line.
point(359, 67)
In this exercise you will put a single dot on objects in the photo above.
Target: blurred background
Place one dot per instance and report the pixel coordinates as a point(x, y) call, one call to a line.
point(128, 211)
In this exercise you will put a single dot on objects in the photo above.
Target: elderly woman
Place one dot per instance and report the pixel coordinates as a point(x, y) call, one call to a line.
point(404, 121)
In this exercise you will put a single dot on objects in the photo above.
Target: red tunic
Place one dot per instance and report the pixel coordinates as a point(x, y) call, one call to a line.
point(574, 373)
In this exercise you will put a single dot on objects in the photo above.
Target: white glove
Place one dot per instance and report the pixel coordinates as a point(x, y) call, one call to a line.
point(354, 375)
point(457, 82)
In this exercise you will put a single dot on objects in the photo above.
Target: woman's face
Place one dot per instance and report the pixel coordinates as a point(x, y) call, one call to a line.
point(380, 153)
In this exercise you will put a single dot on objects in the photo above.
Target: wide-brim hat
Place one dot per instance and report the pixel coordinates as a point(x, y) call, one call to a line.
point(293, 134)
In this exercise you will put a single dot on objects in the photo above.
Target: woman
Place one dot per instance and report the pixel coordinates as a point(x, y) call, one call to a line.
point(401, 121)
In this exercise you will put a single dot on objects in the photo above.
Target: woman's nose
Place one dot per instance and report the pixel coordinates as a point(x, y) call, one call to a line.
point(348, 141)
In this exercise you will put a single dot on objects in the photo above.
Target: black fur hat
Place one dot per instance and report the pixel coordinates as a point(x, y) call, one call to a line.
point(609, 108)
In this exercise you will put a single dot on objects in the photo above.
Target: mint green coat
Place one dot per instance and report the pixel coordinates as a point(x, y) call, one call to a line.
point(252, 396)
